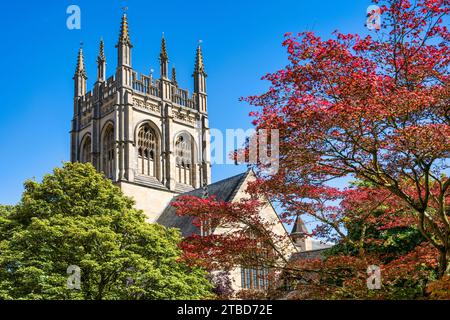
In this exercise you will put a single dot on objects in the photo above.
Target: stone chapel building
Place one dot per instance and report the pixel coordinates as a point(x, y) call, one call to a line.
point(151, 138)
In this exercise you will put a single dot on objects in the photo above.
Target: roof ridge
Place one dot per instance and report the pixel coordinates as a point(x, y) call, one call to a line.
point(229, 178)
point(218, 182)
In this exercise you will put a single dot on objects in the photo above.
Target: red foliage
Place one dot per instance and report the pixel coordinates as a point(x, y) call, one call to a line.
point(440, 289)
point(230, 234)
point(375, 109)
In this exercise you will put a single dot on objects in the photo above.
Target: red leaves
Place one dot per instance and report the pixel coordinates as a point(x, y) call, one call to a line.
point(422, 255)
point(343, 277)
point(237, 233)
point(428, 141)
point(440, 289)
point(371, 109)
point(374, 109)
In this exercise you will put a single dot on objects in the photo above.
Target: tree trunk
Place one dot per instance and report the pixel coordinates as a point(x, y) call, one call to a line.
point(444, 265)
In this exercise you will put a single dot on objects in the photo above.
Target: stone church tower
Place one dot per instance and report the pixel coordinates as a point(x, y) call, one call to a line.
point(149, 136)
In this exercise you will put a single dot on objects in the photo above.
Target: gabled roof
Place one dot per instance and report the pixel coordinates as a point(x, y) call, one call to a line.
point(223, 190)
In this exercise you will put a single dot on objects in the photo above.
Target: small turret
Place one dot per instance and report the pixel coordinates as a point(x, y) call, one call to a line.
point(299, 235)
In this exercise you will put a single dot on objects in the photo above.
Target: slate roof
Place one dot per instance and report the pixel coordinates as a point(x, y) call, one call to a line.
point(223, 190)
point(310, 254)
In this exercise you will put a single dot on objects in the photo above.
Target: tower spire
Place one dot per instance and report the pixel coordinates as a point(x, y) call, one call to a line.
point(163, 55)
point(80, 76)
point(124, 70)
point(124, 37)
point(101, 52)
point(101, 62)
point(80, 70)
point(199, 66)
point(164, 58)
point(200, 80)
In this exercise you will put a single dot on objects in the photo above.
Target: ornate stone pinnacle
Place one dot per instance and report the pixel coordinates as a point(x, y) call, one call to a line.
point(199, 66)
point(124, 37)
point(163, 56)
point(80, 70)
point(174, 76)
point(101, 54)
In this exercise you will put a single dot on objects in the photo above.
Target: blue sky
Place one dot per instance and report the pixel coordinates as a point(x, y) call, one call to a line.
point(241, 43)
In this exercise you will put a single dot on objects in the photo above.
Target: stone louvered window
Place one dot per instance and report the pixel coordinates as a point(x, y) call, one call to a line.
point(108, 152)
point(184, 159)
point(147, 151)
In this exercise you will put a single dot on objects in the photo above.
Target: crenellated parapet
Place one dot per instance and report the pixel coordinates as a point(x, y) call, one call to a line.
point(147, 86)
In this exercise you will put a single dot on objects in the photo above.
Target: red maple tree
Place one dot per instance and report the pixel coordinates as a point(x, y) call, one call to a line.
point(373, 108)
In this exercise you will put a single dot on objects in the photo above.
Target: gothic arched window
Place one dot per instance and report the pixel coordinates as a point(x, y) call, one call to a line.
point(108, 152)
point(184, 159)
point(86, 150)
point(147, 151)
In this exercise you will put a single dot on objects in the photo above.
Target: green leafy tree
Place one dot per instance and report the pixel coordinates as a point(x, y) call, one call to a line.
point(76, 217)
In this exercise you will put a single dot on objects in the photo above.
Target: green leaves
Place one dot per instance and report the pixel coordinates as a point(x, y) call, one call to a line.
point(77, 217)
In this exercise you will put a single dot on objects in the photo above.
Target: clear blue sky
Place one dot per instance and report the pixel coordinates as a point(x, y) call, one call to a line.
point(241, 41)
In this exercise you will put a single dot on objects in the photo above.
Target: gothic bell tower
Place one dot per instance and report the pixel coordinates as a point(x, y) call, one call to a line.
point(149, 136)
